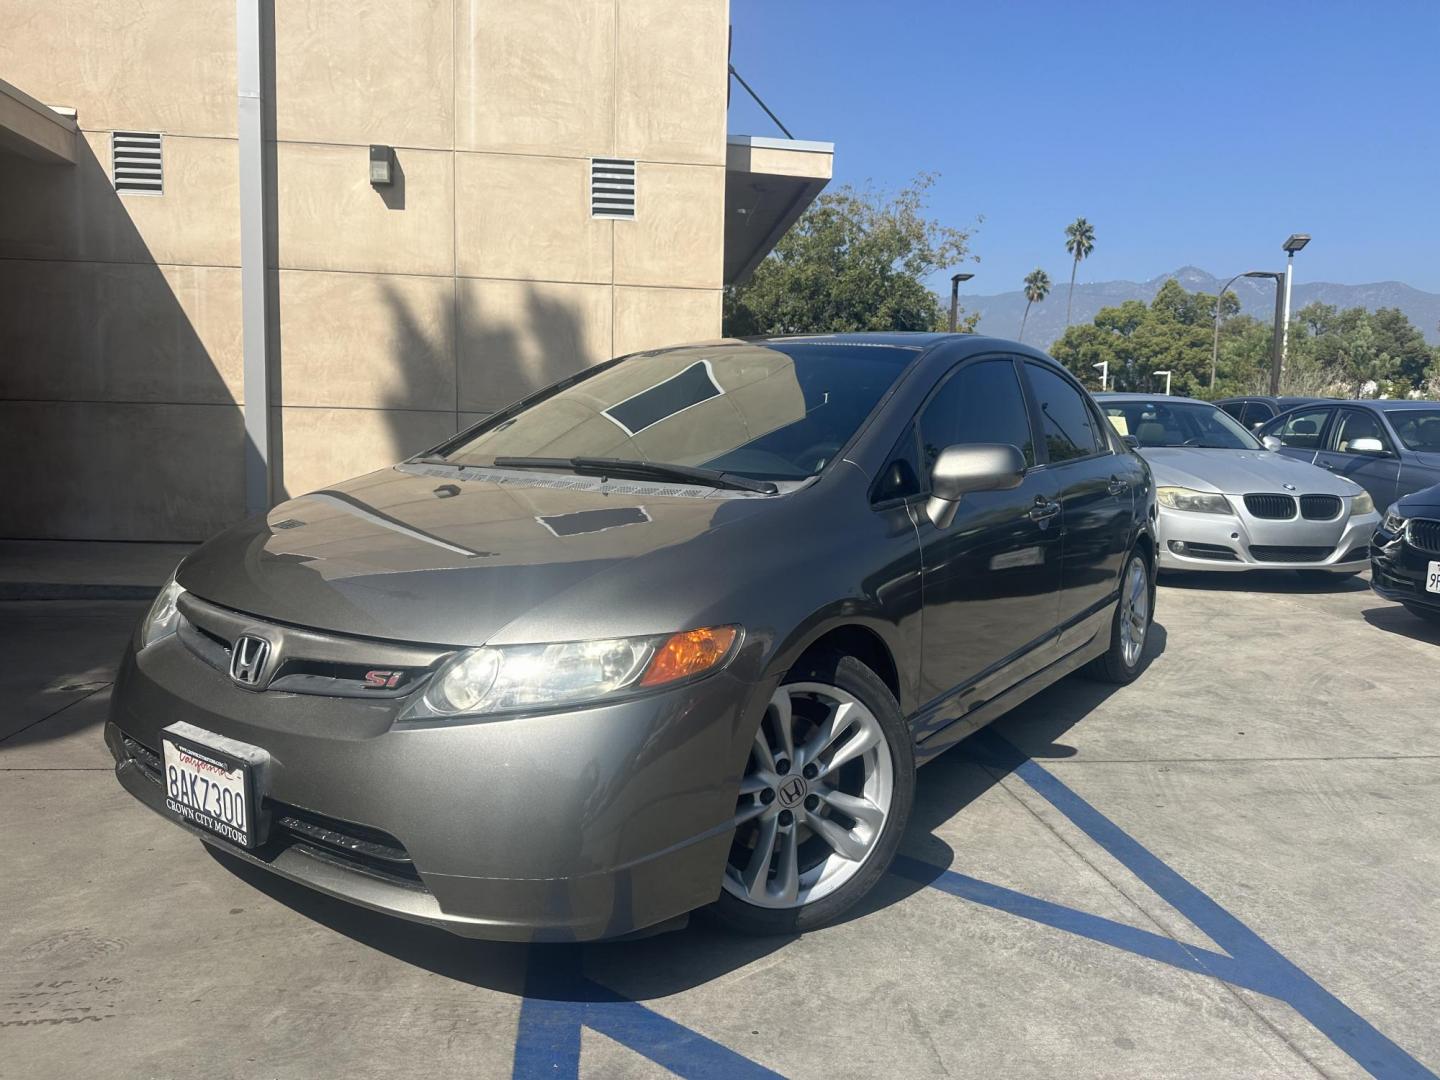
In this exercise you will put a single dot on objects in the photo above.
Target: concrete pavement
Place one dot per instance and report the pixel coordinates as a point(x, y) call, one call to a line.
point(1279, 757)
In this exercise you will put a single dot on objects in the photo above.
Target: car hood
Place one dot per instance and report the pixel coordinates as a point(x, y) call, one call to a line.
point(1422, 503)
point(418, 553)
point(1237, 472)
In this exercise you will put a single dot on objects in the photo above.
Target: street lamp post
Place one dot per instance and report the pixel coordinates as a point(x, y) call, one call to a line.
point(1215, 346)
point(955, 280)
point(1167, 380)
point(1282, 343)
point(1104, 367)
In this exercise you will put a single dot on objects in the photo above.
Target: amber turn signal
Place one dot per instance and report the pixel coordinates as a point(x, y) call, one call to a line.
point(688, 654)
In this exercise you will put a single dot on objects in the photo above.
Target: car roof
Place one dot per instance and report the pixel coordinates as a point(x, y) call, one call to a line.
point(1397, 403)
point(1111, 395)
point(910, 339)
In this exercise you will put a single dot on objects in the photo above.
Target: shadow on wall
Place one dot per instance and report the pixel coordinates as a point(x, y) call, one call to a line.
point(495, 342)
point(119, 370)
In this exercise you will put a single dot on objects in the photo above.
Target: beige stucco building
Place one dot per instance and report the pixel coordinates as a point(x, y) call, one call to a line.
point(379, 317)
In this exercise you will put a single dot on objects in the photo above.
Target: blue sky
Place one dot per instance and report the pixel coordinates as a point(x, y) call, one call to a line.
point(1197, 133)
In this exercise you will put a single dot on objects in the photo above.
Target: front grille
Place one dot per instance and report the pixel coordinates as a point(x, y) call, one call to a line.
point(343, 843)
point(1266, 553)
point(1271, 507)
point(1320, 507)
point(1424, 534)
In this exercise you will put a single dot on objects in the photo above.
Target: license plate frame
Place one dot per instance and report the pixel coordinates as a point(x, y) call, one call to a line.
point(211, 786)
point(1432, 577)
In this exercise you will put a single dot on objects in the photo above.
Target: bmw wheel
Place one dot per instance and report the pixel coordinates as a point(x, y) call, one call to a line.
point(824, 800)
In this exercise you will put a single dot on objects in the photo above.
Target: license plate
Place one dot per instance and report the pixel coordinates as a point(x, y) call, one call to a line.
point(210, 788)
point(1432, 578)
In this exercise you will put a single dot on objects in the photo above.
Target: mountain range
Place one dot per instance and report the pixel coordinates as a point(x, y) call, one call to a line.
point(1000, 314)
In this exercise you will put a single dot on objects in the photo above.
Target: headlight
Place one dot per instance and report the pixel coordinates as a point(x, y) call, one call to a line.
point(163, 618)
point(516, 678)
point(1393, 523)
point(1199, 502)
point(1362, 503)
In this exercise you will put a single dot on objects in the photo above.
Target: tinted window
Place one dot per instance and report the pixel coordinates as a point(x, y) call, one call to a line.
point(1234, 408)
point(1419, 429)
point(775, 410)
point(901, 476)
point(980, 403)
point(1071, 429)
point(1301, 429)
point(1355, 424)
point(1166, 422)
point(1256, 413)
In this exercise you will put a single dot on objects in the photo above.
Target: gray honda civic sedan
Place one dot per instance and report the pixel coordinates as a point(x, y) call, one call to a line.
point(673, 632)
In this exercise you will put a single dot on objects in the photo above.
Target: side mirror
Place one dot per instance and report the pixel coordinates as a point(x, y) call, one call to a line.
point(1368, 446)
point(1271, 442)
point(960, 470)
point(1132, 441)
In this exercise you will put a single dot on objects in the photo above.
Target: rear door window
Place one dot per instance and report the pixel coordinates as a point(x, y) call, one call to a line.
point(1071, 427)
point(1302, 429)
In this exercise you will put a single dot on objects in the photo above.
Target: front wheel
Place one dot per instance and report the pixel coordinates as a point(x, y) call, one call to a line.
point(824, 800)
point(1120, 663)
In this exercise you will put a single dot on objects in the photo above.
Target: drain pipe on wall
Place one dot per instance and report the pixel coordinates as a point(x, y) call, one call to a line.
point(254, 302)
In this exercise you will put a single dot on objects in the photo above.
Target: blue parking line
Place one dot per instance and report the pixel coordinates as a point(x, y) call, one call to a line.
point(560, 1000)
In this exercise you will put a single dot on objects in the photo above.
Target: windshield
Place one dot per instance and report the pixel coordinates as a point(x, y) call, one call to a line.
point(1178, 423)
point(1419, 429)
point(773, 411)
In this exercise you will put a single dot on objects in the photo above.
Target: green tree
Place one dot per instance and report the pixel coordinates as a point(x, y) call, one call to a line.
point(1037, 287)
point(1079, 242)
point(856, 260)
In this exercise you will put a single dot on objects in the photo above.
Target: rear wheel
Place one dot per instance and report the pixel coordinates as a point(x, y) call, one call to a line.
point(1429, 614)
point(1134, 612)
point(824, 800)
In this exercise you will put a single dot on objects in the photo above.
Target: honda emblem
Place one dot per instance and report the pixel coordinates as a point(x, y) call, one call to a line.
point(248, 659)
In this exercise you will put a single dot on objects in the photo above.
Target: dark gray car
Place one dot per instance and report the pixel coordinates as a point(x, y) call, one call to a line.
point(672, 632)
point(1390, 448)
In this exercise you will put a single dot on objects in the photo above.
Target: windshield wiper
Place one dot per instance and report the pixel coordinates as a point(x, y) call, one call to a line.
point(604, 466)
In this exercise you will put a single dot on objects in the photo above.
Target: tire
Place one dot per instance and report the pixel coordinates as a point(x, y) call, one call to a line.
point(1429, 614)
point(757, 897)
point(1121, 662)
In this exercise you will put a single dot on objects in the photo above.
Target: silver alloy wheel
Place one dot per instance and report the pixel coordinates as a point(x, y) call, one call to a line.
point(1134, 612)
point(814, 799)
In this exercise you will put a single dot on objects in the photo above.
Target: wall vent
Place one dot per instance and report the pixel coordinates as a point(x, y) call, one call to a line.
point(135, 162)
point(612, 187)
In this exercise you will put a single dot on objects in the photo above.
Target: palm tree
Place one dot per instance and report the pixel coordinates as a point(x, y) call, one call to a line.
point(1037, 287)
point(1079, 242)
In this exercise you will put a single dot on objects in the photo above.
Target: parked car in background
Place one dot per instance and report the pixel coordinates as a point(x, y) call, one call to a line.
point(1390, 448)
point(1227, 503)
point(673, 631)
point(1405, 554)
point(1256, 411)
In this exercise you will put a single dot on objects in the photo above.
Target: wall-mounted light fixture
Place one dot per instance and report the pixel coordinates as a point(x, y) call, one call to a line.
point(382, 164)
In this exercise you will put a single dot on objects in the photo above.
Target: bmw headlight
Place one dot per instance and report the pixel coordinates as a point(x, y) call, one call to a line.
point(1362, 503)
point(1198, 502)
point(1394, 522)
point(164, 617)
point(522, 678)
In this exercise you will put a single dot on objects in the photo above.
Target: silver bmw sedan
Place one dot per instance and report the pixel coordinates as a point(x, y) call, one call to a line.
point(1229, 503)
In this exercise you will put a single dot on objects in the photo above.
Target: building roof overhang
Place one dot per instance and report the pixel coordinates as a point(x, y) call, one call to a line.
point(34, 130)
point(768, 184)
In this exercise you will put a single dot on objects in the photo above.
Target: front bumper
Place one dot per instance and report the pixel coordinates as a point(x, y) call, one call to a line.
point(1225, 542)
point(564, 827)
point(1398, 571)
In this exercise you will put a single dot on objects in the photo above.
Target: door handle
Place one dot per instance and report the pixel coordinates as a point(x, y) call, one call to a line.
point(1044, 509)
point(1116, 486)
